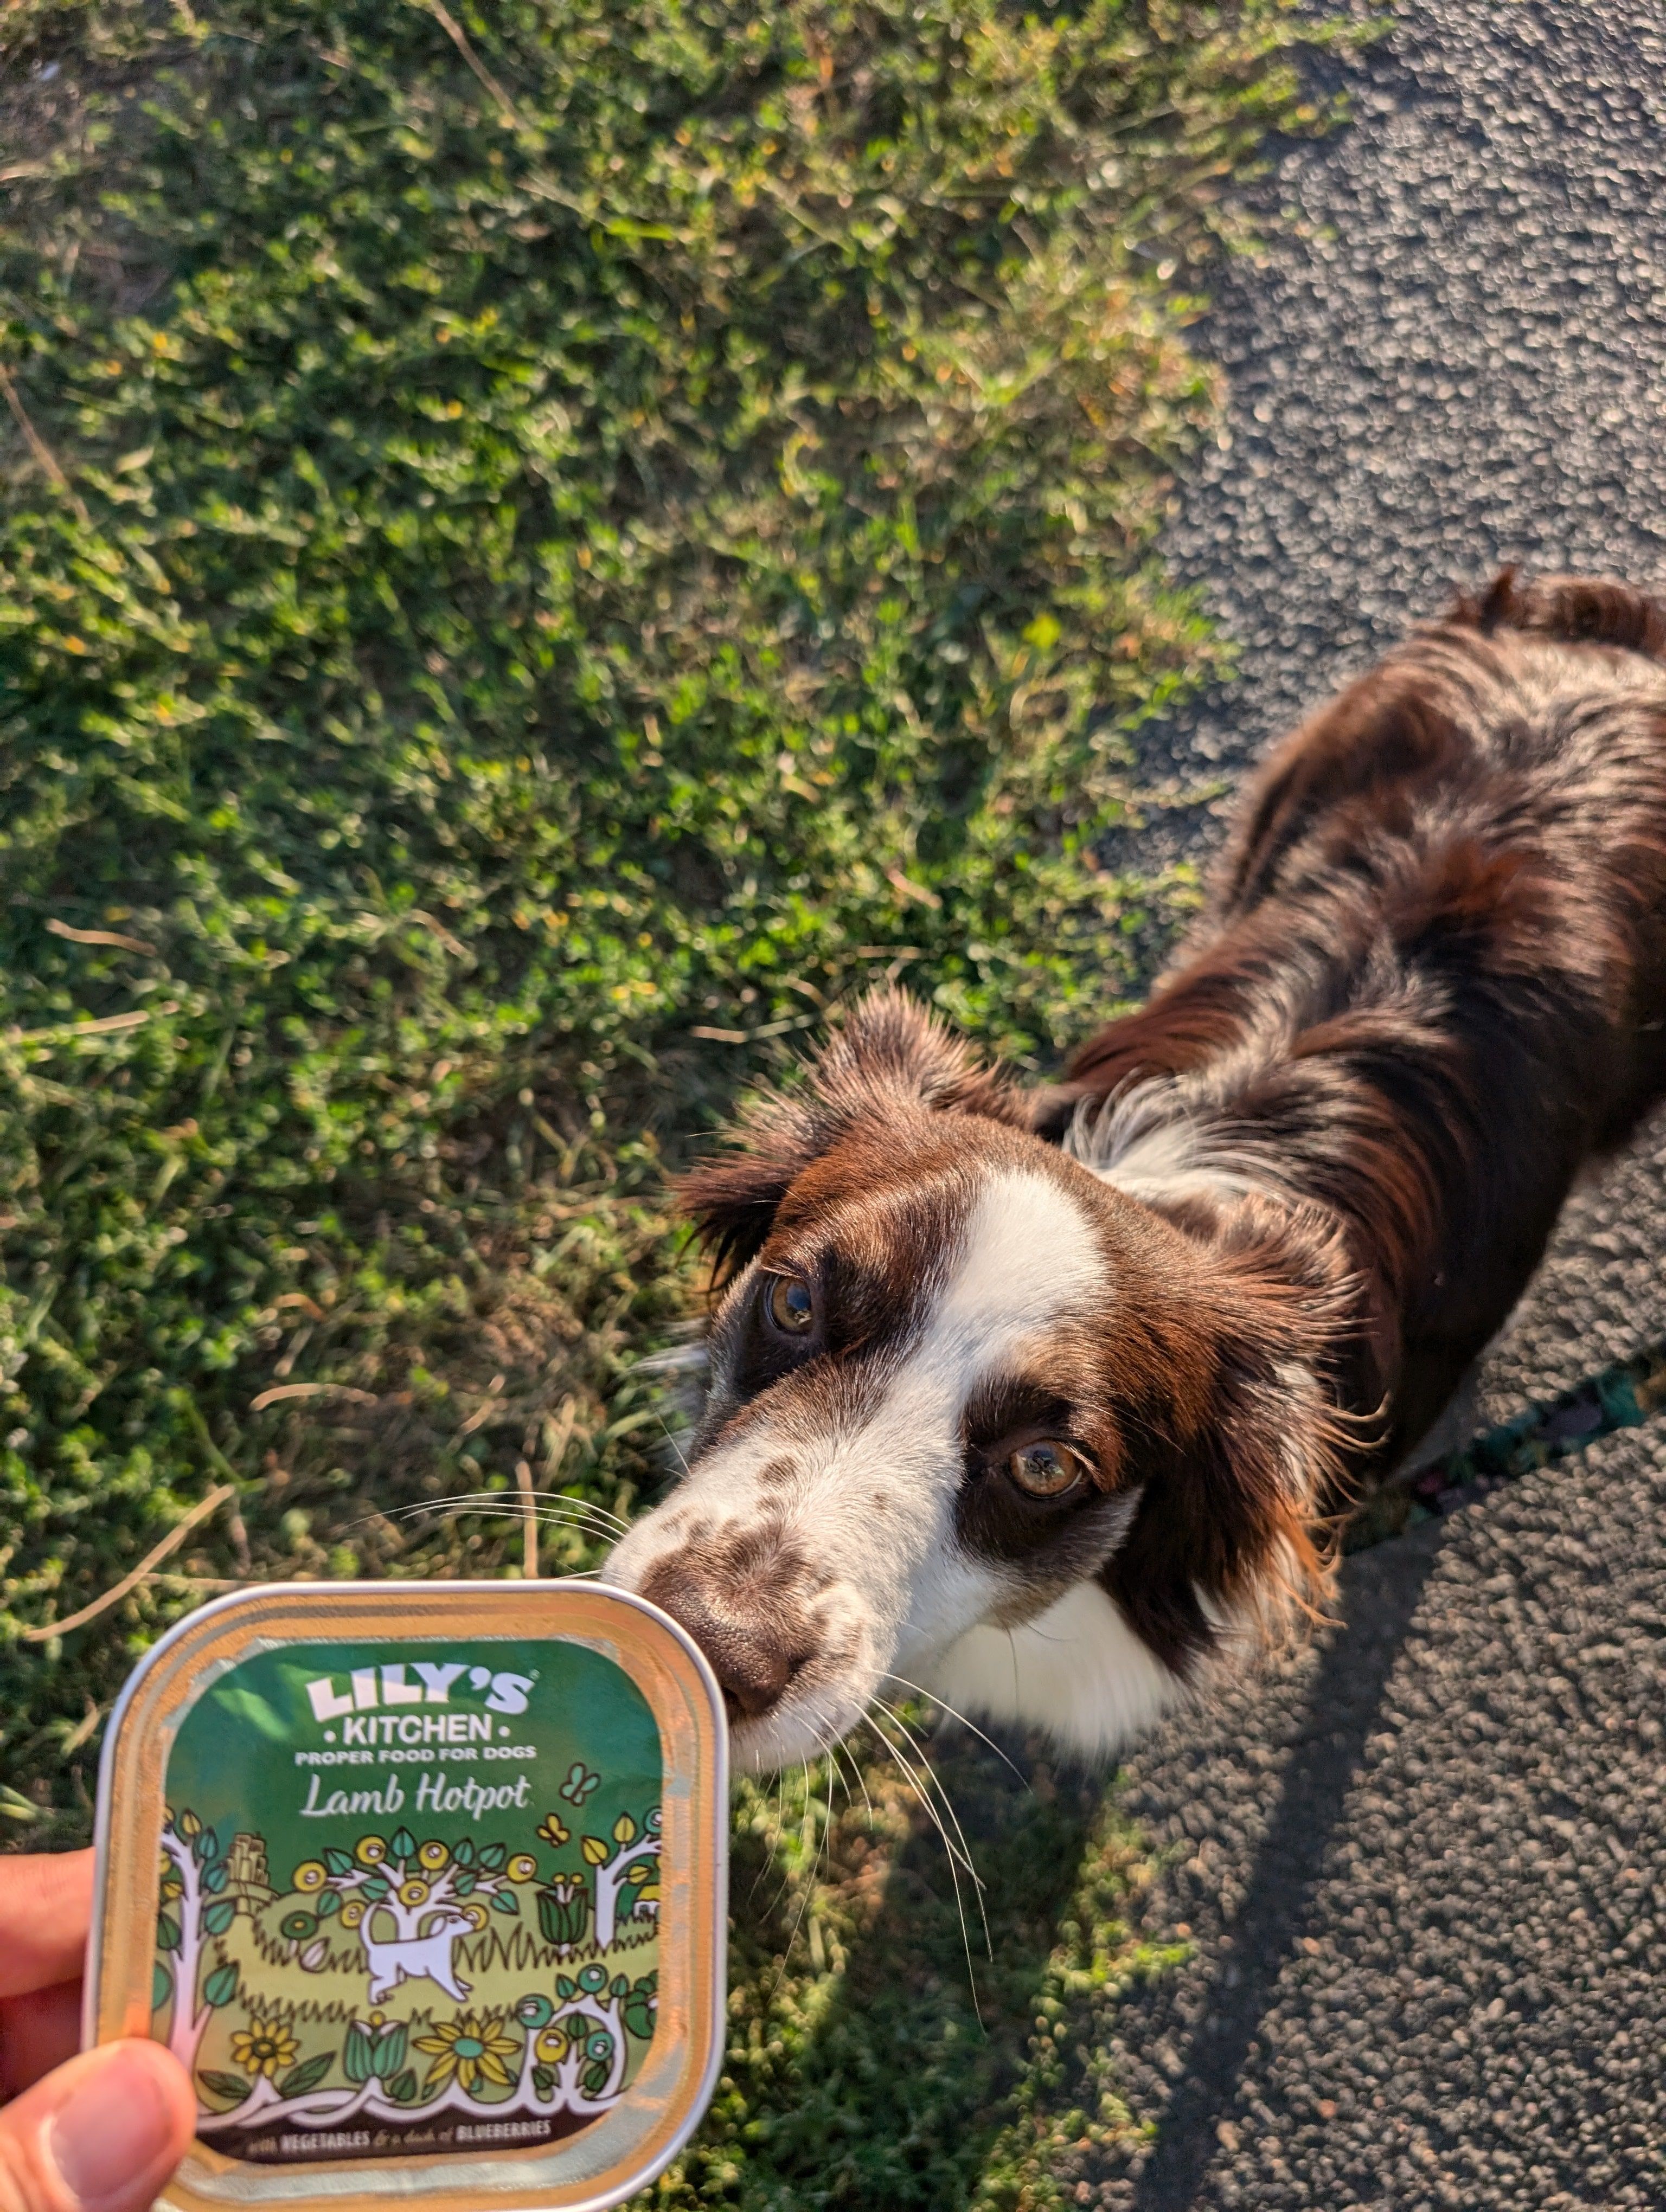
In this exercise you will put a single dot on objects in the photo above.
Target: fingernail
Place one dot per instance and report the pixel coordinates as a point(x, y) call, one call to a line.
point(117, 2125)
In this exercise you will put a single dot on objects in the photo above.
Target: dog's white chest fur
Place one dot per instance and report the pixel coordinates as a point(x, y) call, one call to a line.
point(1078, 1669)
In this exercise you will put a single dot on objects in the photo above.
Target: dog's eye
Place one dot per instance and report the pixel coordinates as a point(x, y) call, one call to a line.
point(1046, 1470)
point(792, 1304)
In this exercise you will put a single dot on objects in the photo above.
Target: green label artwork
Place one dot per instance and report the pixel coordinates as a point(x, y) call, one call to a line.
point(409, 1904)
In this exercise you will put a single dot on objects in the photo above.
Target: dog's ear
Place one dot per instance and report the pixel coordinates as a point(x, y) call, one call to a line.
point(1230, 1532)
point(731, 1197)
point(891, 1054)
point(890, 1050)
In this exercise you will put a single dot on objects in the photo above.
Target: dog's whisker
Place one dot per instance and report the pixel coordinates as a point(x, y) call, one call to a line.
point(845, 1757)
point(595, 1514)
point(861, 1784)
point(671, 1438)
point(936, 1781)
point(786, 1877)
point(955, 1715)
point(824, 1849)
point(962, 1849)
point(576, 1518)
point(777, 1831)
point(508, 1502)
point(768, 1859)
point(906, 1771)
point(547, 1517)
point(582, 1508)
point(774, 1843)
point(911, 1762)
point(809, 1880)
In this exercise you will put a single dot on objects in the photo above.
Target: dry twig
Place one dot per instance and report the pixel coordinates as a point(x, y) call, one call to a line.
point(56, 928)
point(528, 1521)
point(154, 1557)
point(45, 458)
point(454, 31)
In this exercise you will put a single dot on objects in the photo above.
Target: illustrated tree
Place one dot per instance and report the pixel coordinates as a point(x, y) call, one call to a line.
point(193, 1908)
point(417, 1886)
point(578, 2047)
point(631, 1864)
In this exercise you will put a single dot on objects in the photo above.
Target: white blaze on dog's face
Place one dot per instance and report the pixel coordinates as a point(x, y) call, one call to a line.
point(942, 1382)
point(897, 1446)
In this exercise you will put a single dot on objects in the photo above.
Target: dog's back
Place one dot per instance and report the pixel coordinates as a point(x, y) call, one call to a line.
point(1433, 976)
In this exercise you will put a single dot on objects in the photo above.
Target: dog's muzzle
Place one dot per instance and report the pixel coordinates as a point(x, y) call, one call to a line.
point(755, 1651)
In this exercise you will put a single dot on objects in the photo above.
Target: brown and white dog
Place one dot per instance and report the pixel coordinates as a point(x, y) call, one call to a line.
point(1041, 1400)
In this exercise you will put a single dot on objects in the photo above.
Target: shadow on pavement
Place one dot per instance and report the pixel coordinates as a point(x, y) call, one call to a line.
point(1347, 1688)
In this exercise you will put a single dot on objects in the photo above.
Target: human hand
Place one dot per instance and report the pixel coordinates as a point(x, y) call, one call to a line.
point(97, 2133)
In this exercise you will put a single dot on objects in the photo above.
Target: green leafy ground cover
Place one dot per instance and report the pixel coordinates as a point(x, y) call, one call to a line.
point(542, 550)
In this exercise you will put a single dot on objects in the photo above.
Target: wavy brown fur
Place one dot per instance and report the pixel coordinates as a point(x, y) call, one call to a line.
point(1432, 981)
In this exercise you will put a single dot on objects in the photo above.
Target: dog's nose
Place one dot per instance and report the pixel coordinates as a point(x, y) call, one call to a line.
point(754, 1660)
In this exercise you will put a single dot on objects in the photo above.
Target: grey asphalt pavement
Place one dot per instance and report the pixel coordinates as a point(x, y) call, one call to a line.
point(1422, 1863)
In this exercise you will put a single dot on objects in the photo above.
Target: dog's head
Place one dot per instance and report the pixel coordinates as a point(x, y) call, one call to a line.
point(953, 1373)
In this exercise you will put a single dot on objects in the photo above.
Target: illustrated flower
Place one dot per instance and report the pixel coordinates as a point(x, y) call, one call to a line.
point(263, 2047)
point(296, 1927)
point(433, 1856)
point(473, 2047)
point(309, 1876)
point(522, 1867)
point(552, 2044)
point(414, 1892)
point(352, 1912)
point(473, 1912)
point(578, 1784)
point(550, 1828)
point(370, 1851)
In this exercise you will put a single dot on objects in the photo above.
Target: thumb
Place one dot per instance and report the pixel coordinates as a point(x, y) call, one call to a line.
point(101, 2134)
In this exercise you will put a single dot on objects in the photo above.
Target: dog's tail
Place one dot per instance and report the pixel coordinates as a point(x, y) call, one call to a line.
point(1577, 610)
